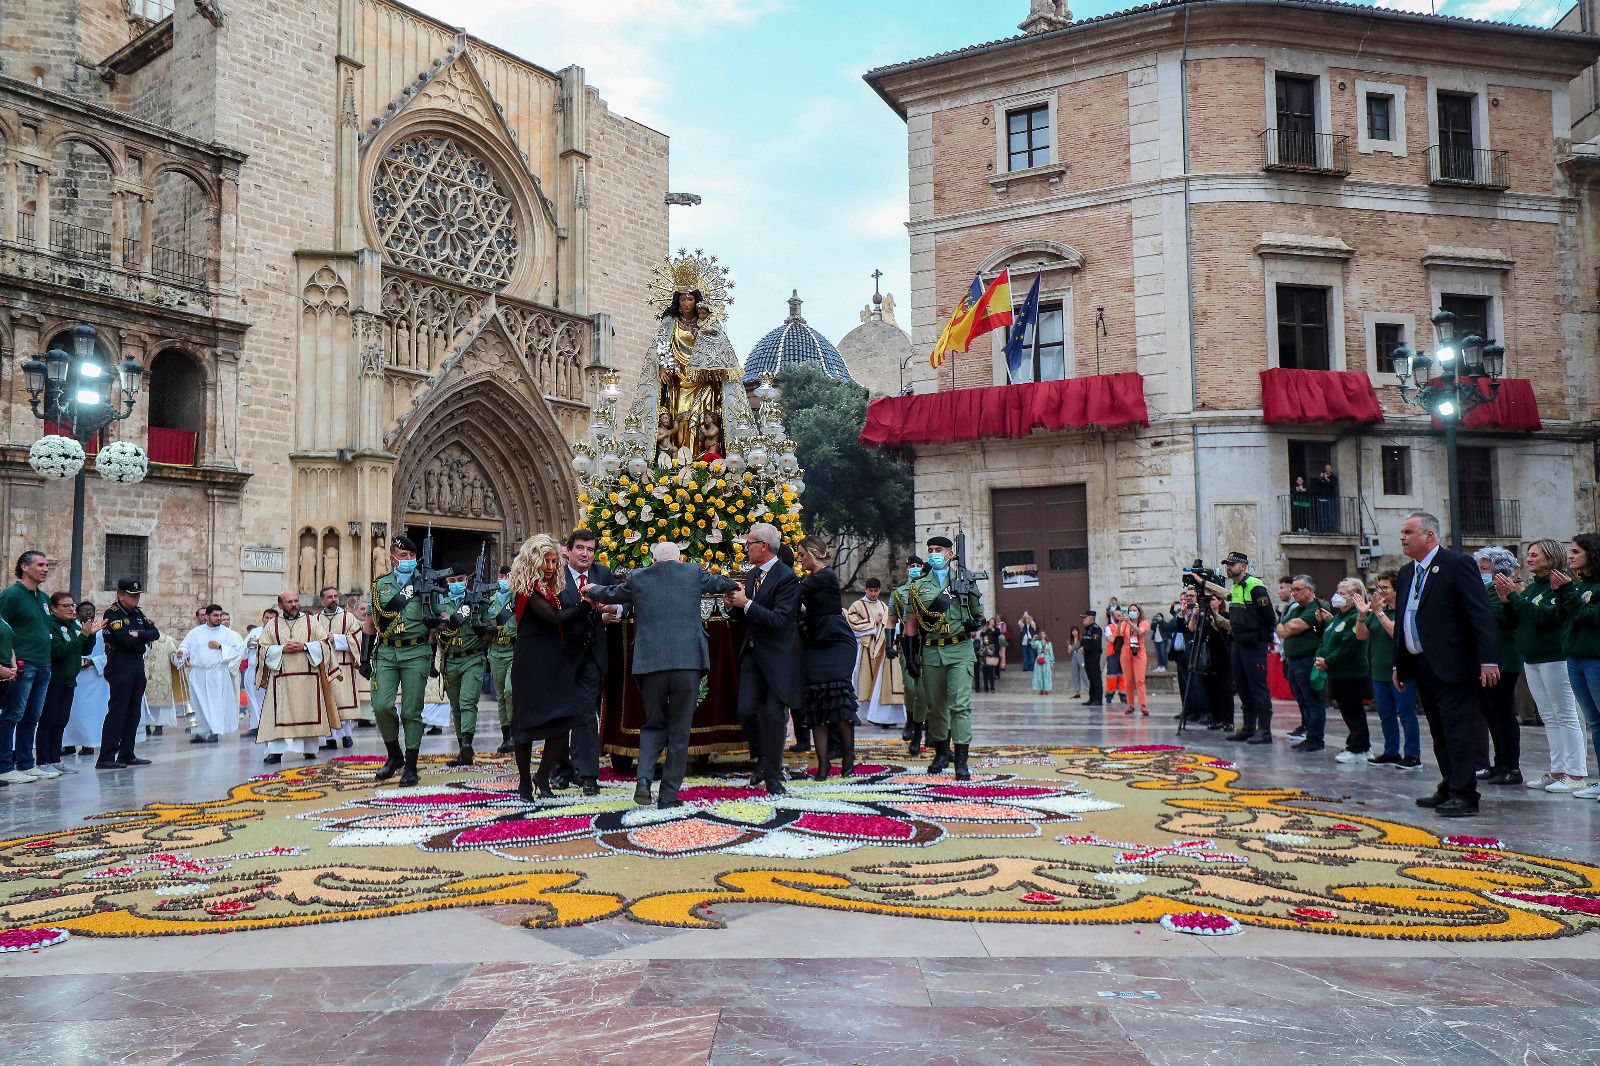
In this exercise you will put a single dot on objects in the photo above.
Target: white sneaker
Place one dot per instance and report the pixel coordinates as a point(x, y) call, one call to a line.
point(17, 777)
point(1567, 785)
point(42, 772)
point(1542, 781)
point(63, 768)
point(1352, 756)
point(1588, 792)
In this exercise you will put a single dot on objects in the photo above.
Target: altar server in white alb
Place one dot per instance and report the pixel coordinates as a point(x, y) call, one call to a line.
point(297, 711)
point(253, 693)
point(352, 693)
point(212, 653)
point(92, 696)
point(880, 688)
point(166, 692)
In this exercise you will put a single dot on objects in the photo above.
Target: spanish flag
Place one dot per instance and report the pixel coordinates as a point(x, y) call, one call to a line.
point(979, 311)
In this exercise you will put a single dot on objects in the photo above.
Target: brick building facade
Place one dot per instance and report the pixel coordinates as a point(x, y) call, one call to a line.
point(1212, 191)
point(373, 267)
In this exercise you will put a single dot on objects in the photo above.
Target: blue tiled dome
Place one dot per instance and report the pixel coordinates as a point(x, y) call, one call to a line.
point(792, 344)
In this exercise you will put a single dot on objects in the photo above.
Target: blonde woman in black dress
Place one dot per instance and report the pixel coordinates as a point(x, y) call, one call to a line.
point(830, 650)
point(552, 641)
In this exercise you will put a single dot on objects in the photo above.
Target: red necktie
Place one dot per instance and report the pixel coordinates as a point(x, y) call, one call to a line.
point(583, 582)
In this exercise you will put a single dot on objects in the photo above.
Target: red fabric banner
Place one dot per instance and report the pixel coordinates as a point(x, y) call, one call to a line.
point(172, 447)
point(1514, 407)
point(1106, 400)
point(58, 429)
point(1318, 396)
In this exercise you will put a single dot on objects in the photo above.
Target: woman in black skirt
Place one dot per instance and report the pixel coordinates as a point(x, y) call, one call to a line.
point(551, 640)
point(830, 658)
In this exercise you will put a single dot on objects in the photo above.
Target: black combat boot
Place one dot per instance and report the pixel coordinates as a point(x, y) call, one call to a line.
point(409, 778)
point(396, 760)
point(941, 757)
point(506, 747)
point(465, 755)
point(962, 773)
point(914, 748)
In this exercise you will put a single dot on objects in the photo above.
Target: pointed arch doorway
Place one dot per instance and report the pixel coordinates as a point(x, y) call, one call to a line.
point(486, 469)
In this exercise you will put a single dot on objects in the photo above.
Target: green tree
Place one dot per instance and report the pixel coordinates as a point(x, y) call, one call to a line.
point(858, 497)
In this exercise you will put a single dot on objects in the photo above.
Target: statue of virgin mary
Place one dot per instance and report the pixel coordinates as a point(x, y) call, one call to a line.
point(690, 383)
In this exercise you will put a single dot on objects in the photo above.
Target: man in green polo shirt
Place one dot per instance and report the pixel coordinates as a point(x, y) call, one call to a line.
point(1301, 632)
point(26, 609)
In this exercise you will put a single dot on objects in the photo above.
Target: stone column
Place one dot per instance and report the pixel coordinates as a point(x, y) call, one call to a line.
point(8, 192)
point(146, 232)
point(119, 225)
point(41, 214)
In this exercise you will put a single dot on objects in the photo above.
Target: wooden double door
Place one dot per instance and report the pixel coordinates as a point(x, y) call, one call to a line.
point(1041, 564)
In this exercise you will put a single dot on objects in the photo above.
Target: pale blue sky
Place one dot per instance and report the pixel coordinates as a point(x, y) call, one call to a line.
point(802, 167)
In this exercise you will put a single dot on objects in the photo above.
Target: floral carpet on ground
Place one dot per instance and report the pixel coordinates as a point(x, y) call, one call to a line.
point(1043, 835)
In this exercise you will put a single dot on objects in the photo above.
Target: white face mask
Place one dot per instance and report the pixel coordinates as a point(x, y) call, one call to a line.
point(1338, 601)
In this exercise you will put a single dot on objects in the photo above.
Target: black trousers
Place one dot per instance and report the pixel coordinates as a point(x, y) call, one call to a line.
point(125, 677)
point(1498, 708)
point(1453, 716)
point(586, 734)
point(764, 719)
point(669, 701)
point(1091, 670)
point(1347, 693)
point(1192, 701)
point(53, 723)
point(1250, 681)
point(1218, 696)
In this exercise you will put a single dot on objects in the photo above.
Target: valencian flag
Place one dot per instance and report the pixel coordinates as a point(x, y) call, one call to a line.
point(1020, 327)
point(979, 311)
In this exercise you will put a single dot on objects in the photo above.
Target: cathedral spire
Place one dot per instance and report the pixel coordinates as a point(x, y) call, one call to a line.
point(794, 306)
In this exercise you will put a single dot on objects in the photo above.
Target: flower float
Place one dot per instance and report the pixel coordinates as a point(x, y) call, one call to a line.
point(31, 939)
point(1200, 923)
point(882, 805)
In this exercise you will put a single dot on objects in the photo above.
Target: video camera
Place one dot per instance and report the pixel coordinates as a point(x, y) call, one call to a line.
point(1199, 576)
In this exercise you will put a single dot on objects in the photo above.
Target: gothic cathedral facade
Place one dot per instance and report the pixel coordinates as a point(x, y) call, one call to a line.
point(373, 267)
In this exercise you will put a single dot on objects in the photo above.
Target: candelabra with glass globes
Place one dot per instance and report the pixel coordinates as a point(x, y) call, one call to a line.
point(1459, 376)
point(77, 395)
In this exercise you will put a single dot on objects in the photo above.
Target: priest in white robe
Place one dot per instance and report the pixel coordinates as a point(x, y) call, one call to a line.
point(166, 693)
point(211, 654)
point(880, 690)
point(352, 693)
point(91, 699)
point(297, 710)
point(253, 693)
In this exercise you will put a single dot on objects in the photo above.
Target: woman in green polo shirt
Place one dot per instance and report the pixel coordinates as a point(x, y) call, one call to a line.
point(1536, 619)
point(1579, 600)
point(1498, 703)
point(71, 643)
point(1397, 708)
point(1343, 657)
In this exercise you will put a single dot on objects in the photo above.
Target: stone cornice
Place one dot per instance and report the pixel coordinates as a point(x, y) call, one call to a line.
point(214, 477)
point(71, 108)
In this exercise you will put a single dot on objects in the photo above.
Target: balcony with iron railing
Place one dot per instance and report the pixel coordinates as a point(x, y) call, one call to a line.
point(1483, 517)
point(1303, 515)
point(1301, 152)
point(87, 244)
point(80, 242)
point(1472, 168)
point(25, 227)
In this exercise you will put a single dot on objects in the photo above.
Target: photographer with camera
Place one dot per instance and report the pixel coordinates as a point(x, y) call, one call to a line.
point(1249, 625)
point(1210, 651)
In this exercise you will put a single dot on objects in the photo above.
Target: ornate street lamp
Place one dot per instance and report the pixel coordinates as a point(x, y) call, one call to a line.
point(81, 396)
point(1458, 377)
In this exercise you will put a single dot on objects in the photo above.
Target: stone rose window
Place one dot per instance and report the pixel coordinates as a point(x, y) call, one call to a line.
point(440, 211)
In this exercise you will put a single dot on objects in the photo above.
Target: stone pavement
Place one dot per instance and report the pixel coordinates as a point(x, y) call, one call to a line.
point(792, 986)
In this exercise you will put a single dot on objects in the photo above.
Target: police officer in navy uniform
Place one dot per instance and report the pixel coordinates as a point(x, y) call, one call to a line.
point(127, 634)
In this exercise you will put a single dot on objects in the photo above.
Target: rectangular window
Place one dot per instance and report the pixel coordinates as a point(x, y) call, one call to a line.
point(1396, 471)
point(1028, 137)
point(1475, 471)
point(1303, 328)
point(1307, 458)
point(126, 556)
point(1472, 314)
point(1456, 139)
point(1044, 349)
point(1297, 120)
point(1386, 337)
point(1380, 116)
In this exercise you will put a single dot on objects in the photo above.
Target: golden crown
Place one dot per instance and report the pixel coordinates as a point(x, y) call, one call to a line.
point(687, 272)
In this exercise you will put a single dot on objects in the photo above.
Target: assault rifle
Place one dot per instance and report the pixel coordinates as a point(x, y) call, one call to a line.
point(964, 582)
point(424, 579)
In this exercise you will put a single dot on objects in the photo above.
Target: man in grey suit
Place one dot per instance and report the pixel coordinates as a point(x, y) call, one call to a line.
point(771, 663)
point(669, 658)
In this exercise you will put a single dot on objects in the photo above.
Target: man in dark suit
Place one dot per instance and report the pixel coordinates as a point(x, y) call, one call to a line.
point(771, 670)
point(669, 658)
point(582, 572)
point(1448, 645)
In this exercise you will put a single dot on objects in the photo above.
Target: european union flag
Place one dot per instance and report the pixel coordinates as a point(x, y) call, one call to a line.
point(1021, 326)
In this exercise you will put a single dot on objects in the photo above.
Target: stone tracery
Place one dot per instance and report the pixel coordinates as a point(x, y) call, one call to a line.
point(440, 210)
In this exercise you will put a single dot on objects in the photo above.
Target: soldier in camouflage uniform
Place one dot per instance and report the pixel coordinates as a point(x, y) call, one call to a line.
point(502, 642)
point(461, 638)
point(908, 649)
point(397, 655)
point(945, 619)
